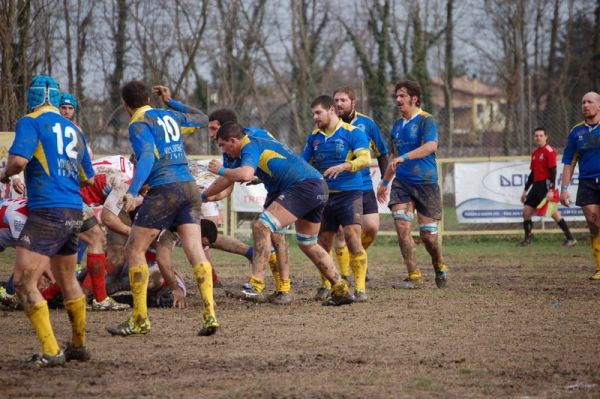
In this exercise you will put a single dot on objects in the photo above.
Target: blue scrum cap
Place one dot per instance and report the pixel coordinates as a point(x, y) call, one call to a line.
point(68, 99)
point(43, 89)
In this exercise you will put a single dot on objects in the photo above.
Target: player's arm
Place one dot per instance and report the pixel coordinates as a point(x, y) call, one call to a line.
point(86, 171)
point(215, 191)
point(379, 147)
point(143, 144)
point(528, 184)
point(193, 120)
point(240, 174)
point(14, 165)
point(569, 160)
point(113, 222)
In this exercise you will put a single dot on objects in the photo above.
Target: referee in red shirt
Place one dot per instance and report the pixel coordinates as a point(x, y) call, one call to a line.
point(541, 180)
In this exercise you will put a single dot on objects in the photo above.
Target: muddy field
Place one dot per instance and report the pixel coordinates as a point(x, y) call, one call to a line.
point(514, 322)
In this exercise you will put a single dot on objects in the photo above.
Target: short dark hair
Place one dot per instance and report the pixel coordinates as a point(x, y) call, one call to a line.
point(209, 230)
point(346, 89)
point(230, 130)
point(324, 101)
point(135, 94)
point(540, 128)
point(223, 115)
point(412, 88)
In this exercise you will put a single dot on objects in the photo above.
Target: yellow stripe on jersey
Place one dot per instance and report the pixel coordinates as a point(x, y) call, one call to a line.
point(244, 141)
point(139, 114)
point(156, 153)
point(40, 155)
point(44, 108)
point(265, 157)
point(189, 130)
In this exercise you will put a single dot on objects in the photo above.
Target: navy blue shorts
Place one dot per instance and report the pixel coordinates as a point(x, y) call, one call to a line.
point(588, 192)
point(369, 202)
point(52, 231)
point(426, 197)
point(342, 209)
point(170, 205)
point(305, 199)
point(538, 192)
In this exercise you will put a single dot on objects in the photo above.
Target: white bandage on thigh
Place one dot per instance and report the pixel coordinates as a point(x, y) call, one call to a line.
point(270, 221)
point(431, 228)
point(401, 214)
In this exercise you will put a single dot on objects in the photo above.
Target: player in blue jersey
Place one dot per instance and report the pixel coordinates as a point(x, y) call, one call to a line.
point(296, 194)
point(52, 151)
point(583, 146)
point(345, 105)
point(339, 151)
point(173, 201)
point(278, 261)
point(414, 141)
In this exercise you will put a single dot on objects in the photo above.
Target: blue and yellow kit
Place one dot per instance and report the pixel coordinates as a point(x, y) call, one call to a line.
point(583, 146)
point(156, 136)
point(376, 144)
point(58, 159)
point(325, 150)
point(408, 135)
point(275, 164)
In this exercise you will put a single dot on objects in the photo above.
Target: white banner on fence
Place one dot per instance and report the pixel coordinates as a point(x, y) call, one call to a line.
point(252, 198)
point(490, 192)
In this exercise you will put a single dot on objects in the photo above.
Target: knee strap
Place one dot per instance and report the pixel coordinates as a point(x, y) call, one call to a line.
point(270, 221)
point(306, 239)
point(402, 215)
point(431, 228)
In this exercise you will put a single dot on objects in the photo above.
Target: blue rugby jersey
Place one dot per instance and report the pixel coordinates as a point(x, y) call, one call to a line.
point(409, 135)
point(324, 150)
point(275, 164)
point(376, 144)
point(583, 146)
point(58, 158)
point(156, 136)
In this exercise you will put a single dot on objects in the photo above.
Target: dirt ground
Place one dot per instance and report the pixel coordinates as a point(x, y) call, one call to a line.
point(514, 322)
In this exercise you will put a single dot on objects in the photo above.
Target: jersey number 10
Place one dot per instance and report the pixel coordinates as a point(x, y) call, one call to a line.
point(170, 127)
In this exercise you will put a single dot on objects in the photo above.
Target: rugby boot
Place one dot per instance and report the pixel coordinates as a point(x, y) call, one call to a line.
point(339, 299)
point(409, 284)
point(248, 293)
point(322, 294)
point(360, 296)
point(109, 304)
point(595, 276)
point(129, 327)
point(209, 327)
point(570, 243)
point(281, 298)
point(441, 276)
point(44, 360)
point(79, 354)
point(527, 241)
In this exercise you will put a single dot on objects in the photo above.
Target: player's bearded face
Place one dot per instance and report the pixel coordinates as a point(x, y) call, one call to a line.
point(67, 111)
point(213, 128)
point(344, 107)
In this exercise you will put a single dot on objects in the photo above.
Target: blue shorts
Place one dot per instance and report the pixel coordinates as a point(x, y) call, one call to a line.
point(52, 231)
point(369, 202)
point(426, 197)
point(305, 199)
point(343, 209)
point(588, 192)
point(170, 205)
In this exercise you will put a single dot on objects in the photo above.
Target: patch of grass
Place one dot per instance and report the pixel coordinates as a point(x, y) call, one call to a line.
point(425, 384)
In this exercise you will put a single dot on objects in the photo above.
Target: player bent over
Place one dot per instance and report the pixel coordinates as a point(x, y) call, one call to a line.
point(297, 194)
point(173, 201)
point(53, 153)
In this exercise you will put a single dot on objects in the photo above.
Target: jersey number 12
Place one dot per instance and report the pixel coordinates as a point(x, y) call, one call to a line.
point(69, 133)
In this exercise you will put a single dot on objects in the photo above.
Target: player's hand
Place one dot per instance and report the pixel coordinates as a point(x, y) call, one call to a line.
point(163, 92)
point(179, 300)
point(395, 162)
point(18, 185)
point(523, 196)
point(334, 171)
point(565, 198)
point(382, 193)
point(254, 182)
point(129, 202)
point(214, 166)
point(3, 178)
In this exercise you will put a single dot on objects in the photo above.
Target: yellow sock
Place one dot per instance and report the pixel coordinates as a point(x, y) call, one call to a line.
point(138, 279)
point(203, 274)
point(441, 266)
point(343, 259)
point(324, 282)
point(76, 310)
point(340, 288)
point(416, 275)
point(366, 240)
point(284, 286)
point(596, 249)
point(358, 262)
point(39, 316)
point(259, 285)
point(275, 269)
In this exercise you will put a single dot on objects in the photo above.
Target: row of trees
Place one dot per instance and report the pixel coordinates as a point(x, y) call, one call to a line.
point(268, 58)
